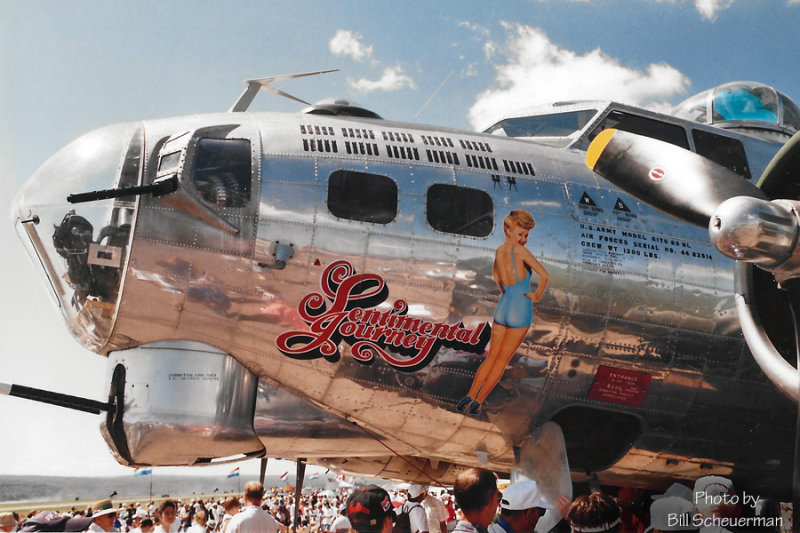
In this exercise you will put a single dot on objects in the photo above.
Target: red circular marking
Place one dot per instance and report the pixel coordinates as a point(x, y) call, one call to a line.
point(657, 174)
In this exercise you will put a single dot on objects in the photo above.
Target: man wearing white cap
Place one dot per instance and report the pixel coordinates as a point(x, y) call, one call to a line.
point(714, 497)
point(672, 513)
point(435, 511)
point(417, 517)
point(521, 506)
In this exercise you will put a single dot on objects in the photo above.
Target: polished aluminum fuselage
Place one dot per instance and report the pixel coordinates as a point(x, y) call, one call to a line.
point(630, 291)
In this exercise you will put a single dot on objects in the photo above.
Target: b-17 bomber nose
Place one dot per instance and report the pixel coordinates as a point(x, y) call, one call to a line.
point(82, 248)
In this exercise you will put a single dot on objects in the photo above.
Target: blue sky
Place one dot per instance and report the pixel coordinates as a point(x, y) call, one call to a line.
point(70, 67)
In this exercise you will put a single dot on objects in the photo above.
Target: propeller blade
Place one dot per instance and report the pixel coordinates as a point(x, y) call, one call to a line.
point(664, 176)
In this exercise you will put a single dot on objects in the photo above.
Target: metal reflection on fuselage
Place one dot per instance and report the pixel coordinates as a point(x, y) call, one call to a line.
point(629, 288)
point(620, 295)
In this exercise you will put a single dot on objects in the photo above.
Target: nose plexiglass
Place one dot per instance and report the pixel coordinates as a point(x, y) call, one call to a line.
point(82, 248)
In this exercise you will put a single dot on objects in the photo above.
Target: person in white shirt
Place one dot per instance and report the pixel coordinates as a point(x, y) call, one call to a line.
point(342, 523)
point(252, 518)
point(435, 511)
point(103, 516)
point(521, 506)
point(167, 514)
point(328, 516)
point(198, 523)
point(417, 516)
point(231, 507)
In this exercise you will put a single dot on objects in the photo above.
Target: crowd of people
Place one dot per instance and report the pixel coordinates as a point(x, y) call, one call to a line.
point(713, 506)
point(318, 513)
point(473, 505)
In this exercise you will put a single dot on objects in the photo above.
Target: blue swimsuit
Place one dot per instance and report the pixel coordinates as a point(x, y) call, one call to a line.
point(514, 310)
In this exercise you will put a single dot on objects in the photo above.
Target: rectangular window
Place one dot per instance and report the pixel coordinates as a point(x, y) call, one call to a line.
point(655, 129)
point(555, 125)
point(222, 171)
point(722, 150)
point(363, 197)
point(169, 162)
point(460, 210)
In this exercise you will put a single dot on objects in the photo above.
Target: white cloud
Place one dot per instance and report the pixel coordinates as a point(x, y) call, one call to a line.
point(709, 9)
point(477, 29)
point(347, 43)
point(393, 78)
point(469, 71)
point(537, 71)
point(490, 49)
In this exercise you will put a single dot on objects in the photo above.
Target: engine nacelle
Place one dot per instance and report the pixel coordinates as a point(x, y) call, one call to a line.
point(180, 403)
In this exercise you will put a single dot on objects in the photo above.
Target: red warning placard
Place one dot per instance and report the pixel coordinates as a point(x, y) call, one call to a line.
point(618, 385)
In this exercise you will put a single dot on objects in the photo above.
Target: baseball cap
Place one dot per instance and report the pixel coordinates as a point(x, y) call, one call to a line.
point(415, 491)
point(368, 508)
point(523, 495)
point(672, 513)
point(712, 486)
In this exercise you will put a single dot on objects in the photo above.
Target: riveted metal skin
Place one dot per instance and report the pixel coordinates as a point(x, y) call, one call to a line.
point(634, 350)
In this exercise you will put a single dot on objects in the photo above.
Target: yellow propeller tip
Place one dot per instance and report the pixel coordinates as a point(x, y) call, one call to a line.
point(597, 146)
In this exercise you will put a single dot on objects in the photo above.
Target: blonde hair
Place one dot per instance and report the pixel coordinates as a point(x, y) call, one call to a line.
point(518, 217)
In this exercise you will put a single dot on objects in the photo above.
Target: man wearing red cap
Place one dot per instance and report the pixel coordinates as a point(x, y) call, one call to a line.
point(370, 510)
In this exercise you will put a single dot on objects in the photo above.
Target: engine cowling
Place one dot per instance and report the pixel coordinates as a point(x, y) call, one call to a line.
point(180, 403)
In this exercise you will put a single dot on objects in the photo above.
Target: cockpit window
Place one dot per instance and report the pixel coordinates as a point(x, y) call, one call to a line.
point(724, 151)
point(169, 162)
point(553, 125)
point(655, 129)
point(222, 171)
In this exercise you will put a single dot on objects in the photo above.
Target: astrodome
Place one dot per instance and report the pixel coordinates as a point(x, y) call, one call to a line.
point(744, 106)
